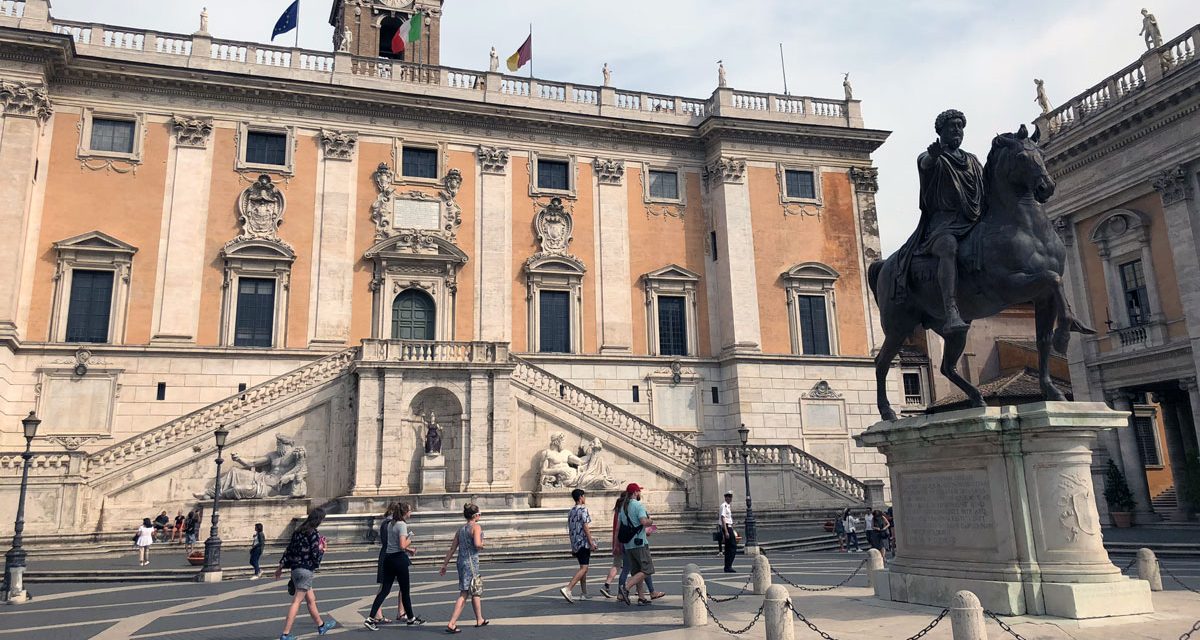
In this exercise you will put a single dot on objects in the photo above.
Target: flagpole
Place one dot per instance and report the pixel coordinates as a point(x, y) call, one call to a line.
point(297, 24)
point(783, 67)
point(531, 50)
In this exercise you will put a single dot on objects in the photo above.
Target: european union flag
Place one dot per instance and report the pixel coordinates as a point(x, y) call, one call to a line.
point(288, 20)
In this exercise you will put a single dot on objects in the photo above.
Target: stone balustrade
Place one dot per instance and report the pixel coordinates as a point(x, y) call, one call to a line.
point(12, 8)
point(634, 428)
point(787, 456)
point(49, 464)
point(112, 459)
point(1132, 335)
point(201, 51)
point(427, 352)
point(1153, 67)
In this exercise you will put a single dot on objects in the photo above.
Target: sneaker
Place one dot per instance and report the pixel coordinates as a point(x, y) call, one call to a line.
point(329, 624)
point(256, 576)
point(371, 623)
point(566, 595)
point(287, 636)
point(583, 596)
point(605, 592)
point(414, 621)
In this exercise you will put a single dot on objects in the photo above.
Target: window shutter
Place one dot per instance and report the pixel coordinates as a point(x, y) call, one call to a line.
point(90, 306)
point(554, 322)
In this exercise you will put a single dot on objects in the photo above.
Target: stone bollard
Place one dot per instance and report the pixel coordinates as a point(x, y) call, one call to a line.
point(1148, 569)
point(694, 613)
point(690, 567)
point(966, 617)
point(874, 563)
point(778, 615)
point(761, 575)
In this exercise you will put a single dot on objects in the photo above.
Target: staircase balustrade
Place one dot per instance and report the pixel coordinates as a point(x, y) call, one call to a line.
point(786, 455)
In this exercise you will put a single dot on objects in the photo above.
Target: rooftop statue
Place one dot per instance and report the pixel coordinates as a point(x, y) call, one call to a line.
point(847, 88)
point(1150, 30)
point(607, 75)
point(281, 473)
point(983, 244)
point(721, 81)
point(1041, 99)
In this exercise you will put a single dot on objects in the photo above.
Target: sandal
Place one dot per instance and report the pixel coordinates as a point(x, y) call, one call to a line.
point(644, 601)
point(657, 594)
point(483, 624)
point(453, 630)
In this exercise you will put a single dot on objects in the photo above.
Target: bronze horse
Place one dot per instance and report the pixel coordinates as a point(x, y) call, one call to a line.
point(1012, 256)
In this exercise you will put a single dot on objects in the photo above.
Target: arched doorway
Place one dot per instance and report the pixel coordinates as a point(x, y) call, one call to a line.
point(413, 316)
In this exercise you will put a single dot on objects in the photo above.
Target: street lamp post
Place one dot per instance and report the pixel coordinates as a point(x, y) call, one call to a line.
point(14, 560)
point(751, 526)
point(212, 546)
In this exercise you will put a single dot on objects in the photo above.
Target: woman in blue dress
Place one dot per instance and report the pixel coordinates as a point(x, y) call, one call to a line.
point(467, 543)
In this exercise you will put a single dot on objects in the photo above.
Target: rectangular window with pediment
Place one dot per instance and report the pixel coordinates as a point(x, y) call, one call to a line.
point(555, 322)
point(255, 323)
point(814, 325)
point(90, 306)
point(1137, 300)
point(672, 326)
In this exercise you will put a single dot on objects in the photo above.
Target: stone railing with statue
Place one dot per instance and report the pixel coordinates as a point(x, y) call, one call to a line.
point(200, 51)
point(786, 456)
point(118, 456)
point(1158, 63)
point(604, 412)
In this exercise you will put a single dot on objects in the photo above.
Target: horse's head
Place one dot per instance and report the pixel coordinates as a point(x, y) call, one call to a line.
point(1016, 160)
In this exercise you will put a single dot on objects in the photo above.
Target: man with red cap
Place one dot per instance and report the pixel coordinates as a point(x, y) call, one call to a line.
point(635, 524)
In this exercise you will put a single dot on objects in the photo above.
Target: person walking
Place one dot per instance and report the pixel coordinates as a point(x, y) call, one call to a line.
point(879, 529)
point(257, 544)
point(191, 531)
point(618, 552)
point(635, 525)
point(303, 556)
point(579, 530)
point(839, 529)
point(467, 543)
point(728, 535)
point(177, 530)
point(143, 539)
point(396, 562)
point(850, 523)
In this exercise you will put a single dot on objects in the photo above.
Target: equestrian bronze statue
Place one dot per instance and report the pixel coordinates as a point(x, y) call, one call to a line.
point(983, 244)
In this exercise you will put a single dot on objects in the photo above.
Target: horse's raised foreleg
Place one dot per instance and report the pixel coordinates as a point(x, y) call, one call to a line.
point(955, 343)
point(883, 364)
point(1046, 313)
point(1065, 320)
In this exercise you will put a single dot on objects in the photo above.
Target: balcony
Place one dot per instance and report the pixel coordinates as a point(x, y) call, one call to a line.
point(431, 352)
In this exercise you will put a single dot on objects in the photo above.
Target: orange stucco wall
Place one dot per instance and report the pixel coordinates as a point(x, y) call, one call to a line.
point(127, 206)
point(782, 241)
point(464, 320)
point(369, 156)
point(657, 241)
point(1160, 478)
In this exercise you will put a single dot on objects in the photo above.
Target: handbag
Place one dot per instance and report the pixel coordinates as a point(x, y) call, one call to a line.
point(475, 588)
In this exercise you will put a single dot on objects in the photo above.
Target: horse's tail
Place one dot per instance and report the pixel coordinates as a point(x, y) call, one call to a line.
point(873, 276)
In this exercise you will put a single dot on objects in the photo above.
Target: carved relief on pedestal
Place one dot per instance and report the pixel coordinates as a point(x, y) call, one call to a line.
point(1077, 506)
point(20, 99)
point(609, 171)
point(191, 132)
point(338, 145)
point(492, 159)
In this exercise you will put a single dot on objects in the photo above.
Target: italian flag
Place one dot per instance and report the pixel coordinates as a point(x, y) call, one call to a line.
point(408, 33)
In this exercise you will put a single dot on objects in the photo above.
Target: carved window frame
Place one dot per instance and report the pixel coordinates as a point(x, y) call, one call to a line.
point(1118, 245)
point(440, 147)
point(244, 130)
point(679, 180)
point(554, 273)
point(92, 251)
point(572, 190)
point(781, 169)
point(90, 114)
point(812, 279)
point(671, 280)
point(260, 259)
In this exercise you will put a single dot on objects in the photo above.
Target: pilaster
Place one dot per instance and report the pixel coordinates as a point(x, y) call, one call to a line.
point(616, 305)
point(502, 428)
point(476, 447)
point(1177, 187)
point(368, 432)
point(738, 328)
point(493, 304)
point(333, 239)
point(24, 111)
point(1131, 460)
point(181, 247)
point(866, 184)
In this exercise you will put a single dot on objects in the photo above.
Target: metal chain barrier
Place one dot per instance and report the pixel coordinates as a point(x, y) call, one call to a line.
point(1194, 629)
point(1162, 567)
point(825, 636)
point(1003, 625)
point(737, 595)
point(732, 632)
point(840, 584)
point(1130, 565)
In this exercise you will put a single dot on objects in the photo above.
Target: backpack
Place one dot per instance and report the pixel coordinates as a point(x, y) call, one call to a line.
point(839, 526)
point(627, 532)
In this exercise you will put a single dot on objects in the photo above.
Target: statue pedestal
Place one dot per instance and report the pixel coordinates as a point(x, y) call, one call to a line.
point(999, 501)
point(433, 473)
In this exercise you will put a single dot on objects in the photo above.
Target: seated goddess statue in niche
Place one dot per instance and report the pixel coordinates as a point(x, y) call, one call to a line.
point(280, 473)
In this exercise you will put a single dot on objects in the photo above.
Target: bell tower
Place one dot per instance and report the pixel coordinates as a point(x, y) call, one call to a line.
point(366, 27)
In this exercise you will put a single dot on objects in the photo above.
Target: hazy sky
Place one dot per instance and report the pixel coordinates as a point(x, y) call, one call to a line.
point(907, 60)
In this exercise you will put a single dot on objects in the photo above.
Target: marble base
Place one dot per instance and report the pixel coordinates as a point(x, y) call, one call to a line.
point(433, 473)
point(552, 498)
point(208, 576)
point(999, 501)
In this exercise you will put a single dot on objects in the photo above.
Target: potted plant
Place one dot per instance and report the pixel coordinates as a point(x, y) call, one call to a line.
point(1119, 497)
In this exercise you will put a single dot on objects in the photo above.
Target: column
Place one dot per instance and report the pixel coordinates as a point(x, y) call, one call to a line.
point(616, 321)
point(738, 327)
point(24, 111)
point(333, 239)
point(1192, 418)
point(1131, 460)
point(494, 270)
point(181, 251)
point(476, 440)
point(866, 183)
point(1173, 427)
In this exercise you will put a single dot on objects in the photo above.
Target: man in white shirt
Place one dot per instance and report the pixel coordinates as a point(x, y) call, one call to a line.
point(728, 536)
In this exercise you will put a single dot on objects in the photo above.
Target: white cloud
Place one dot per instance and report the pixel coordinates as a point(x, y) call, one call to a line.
point(908, 60)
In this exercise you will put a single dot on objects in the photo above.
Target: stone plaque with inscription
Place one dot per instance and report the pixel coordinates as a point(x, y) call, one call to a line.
point(955, 508)
point(417, 214)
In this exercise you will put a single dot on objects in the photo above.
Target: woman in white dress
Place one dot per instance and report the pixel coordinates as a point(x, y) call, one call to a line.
point(143, 539)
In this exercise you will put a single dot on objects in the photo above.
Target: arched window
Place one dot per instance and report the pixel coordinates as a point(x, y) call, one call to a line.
point(387, 30)
point(413, 315)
